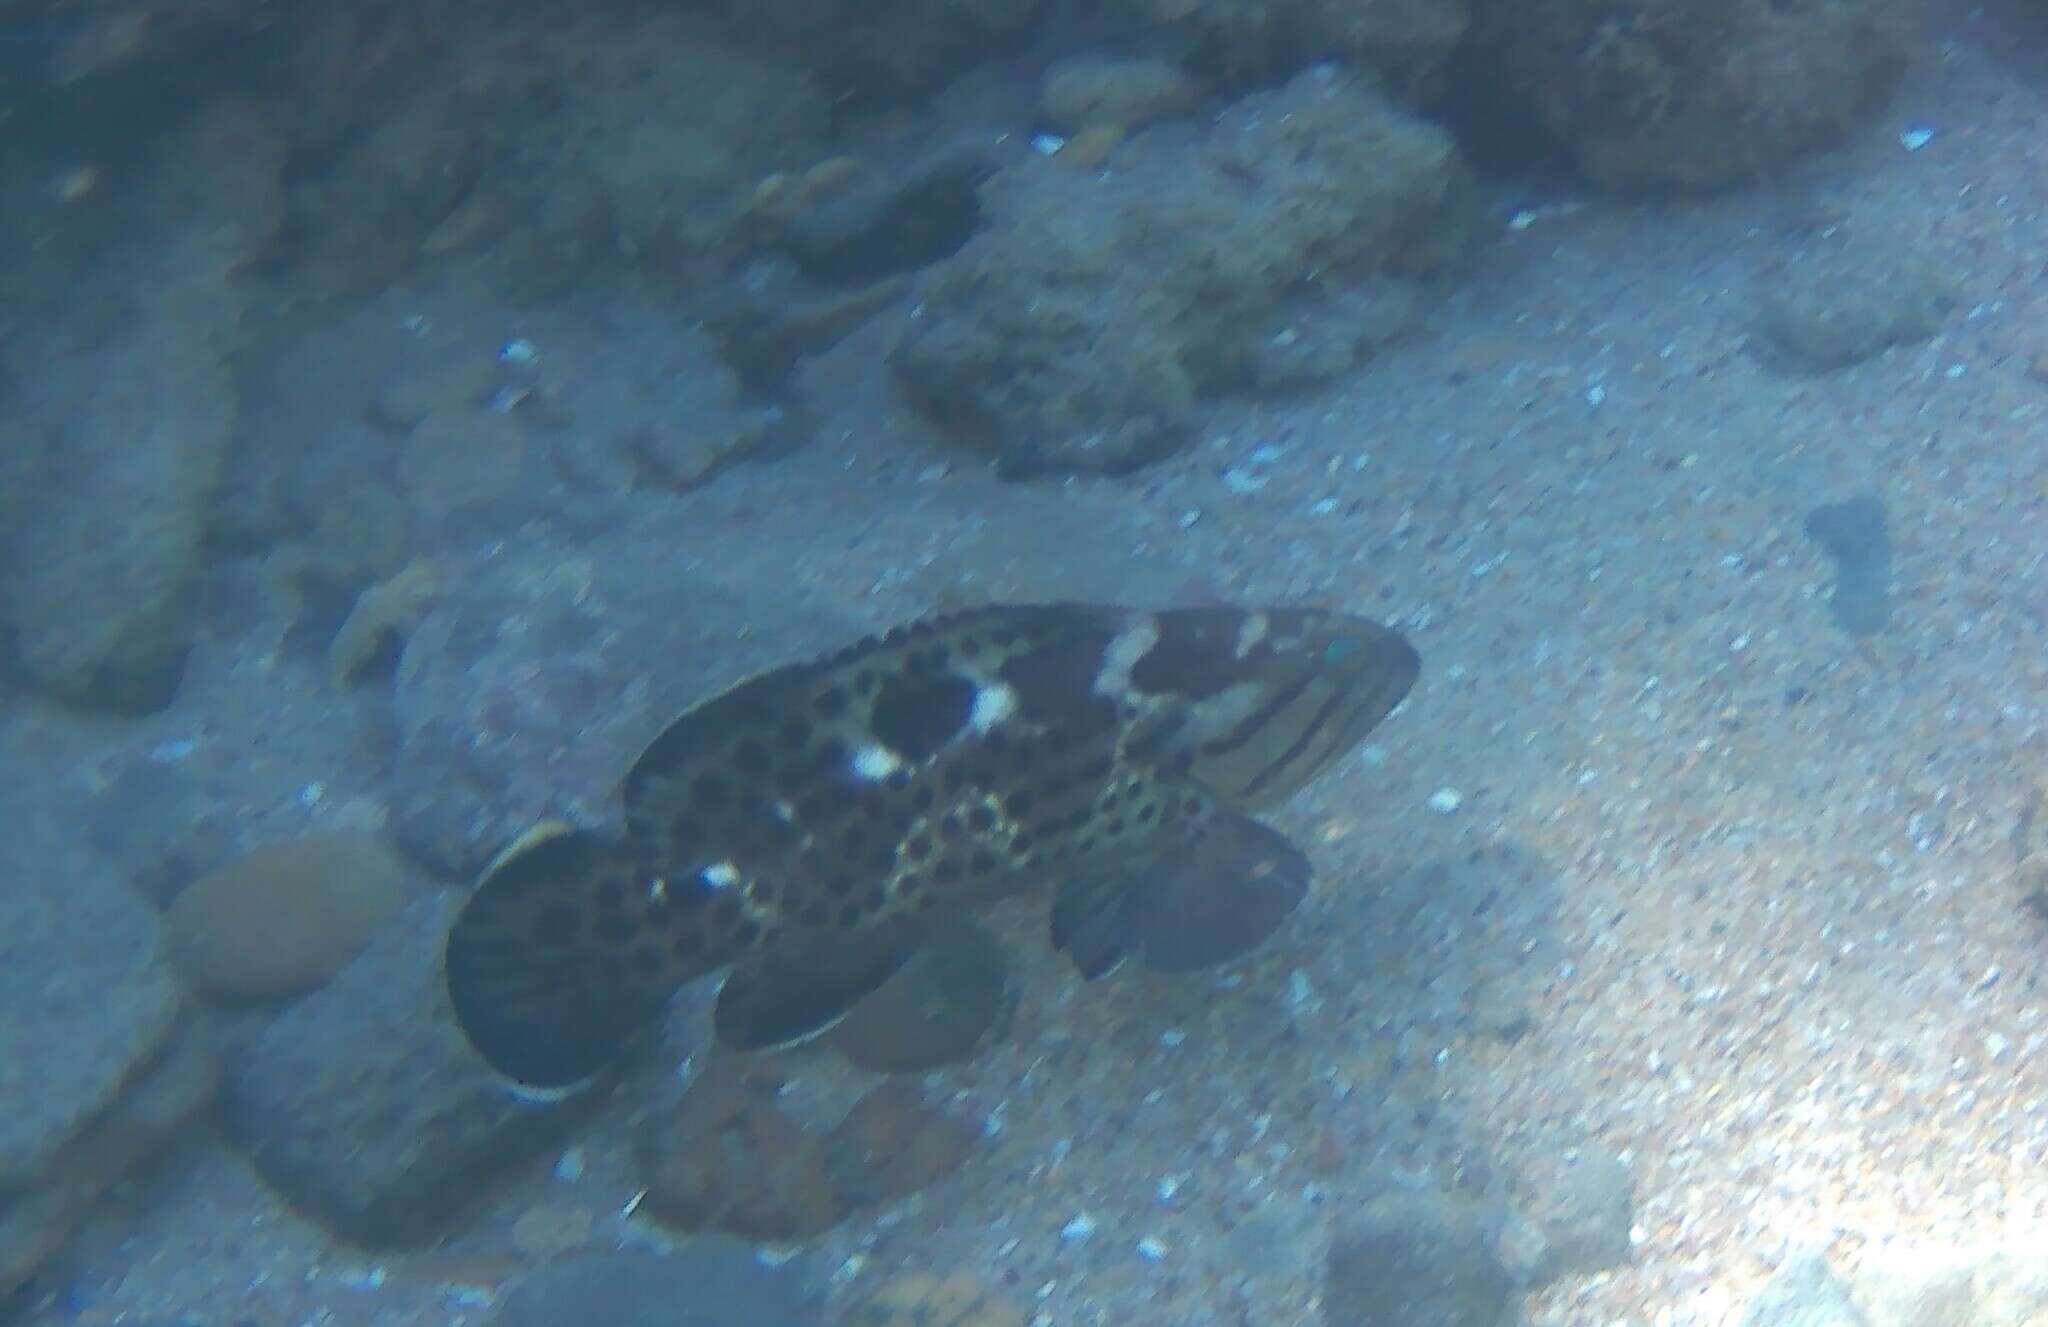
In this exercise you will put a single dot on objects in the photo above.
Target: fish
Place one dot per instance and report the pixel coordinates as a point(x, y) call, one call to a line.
point(808, 829)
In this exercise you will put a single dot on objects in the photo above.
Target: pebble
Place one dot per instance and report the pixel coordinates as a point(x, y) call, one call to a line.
point(1446, 800)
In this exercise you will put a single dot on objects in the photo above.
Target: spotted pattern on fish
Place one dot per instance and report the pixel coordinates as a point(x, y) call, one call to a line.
point(811, 824)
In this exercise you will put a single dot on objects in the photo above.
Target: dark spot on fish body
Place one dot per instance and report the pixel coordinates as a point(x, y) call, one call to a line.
point(831, 702)
point(751, 759)
point(916, 716)
point(1055, 684)
point(558, 923)
point(795, 734)
point(1190, 657)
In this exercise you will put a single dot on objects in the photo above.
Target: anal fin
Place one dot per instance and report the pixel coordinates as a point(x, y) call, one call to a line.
point(1090, 924)
point(781, 1000)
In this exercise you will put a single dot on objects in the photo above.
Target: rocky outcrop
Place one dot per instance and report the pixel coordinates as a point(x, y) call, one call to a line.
point(1078, 330)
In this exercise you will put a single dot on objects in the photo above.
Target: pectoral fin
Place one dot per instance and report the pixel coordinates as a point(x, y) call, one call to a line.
point(1221, 887)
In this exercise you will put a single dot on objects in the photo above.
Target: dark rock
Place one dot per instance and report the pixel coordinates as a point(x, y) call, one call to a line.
point(707, 1282)
point(728, 1158)
point(883, 222)
point(1415, 1259)
point(1845, 305)
point(361, 220)
point(891, 1144)
point(898, 51)
point(1686, 94)
point(366, 1108)
point(765, 334)
point(1805, 1292)
point(1585, 1211)
point(1854, 535)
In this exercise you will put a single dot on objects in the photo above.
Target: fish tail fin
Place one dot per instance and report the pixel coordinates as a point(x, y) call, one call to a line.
point(541, 975)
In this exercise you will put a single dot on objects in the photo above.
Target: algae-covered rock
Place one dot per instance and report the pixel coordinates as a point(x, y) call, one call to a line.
point(1078, 331)
point(1094, 90)
point(925, 1299)
point(285, 918)
point(528, 678)
point(707, 1282)
point(1843, 304)
point(1403, 42)
point(1687, 94)
point(674, 125)
point(728, 1158)
point(896, 51)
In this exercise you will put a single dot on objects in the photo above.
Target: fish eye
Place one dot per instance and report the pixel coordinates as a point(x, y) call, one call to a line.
point(1340, 649)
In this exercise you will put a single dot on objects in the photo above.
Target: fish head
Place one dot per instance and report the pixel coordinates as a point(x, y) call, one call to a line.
point(1255, 703)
